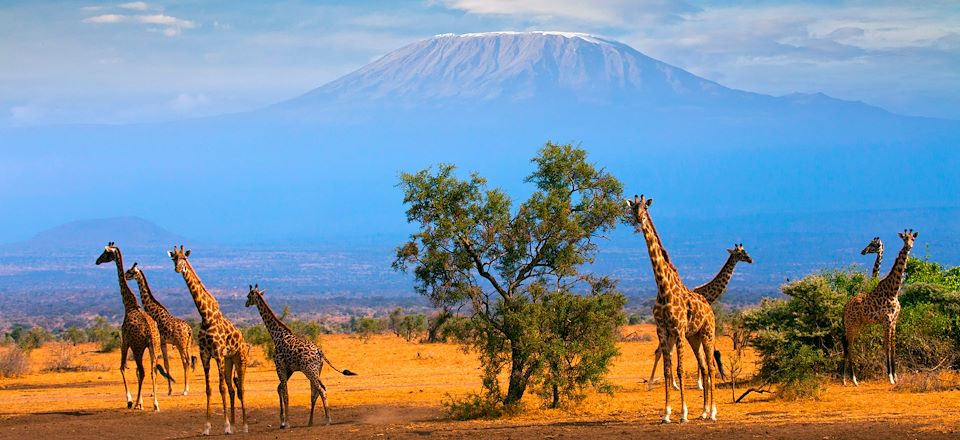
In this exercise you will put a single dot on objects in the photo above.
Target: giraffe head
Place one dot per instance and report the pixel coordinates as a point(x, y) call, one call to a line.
point(109, 254)
point(638, 210)
point(179, 257)
point(740, 254)
point(255, 295)
point(875, 246)
point(908, 237)
point(132, 273)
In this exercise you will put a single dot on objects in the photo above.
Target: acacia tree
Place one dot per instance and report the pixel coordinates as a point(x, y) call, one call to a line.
point(504, 266)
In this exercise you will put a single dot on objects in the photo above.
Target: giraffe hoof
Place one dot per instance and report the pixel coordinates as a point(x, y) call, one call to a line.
point(129, 404)
point(246, 428)
point(665, 420)
point(206, 429)
point(705, 415)
point(683, 421)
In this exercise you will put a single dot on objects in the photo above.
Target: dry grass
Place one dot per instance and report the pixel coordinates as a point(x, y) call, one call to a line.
point(14, 362)
point(927, 382)
point(396, 373)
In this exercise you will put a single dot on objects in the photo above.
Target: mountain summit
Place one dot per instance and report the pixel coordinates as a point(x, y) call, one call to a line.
point(517, 66)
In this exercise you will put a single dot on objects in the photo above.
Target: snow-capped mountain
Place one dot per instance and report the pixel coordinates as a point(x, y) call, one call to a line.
point(517, 66)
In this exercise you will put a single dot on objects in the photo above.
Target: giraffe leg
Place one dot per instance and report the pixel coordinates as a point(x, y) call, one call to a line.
point(138, 359)
point(653, 372)
point(166, 367)
point(205, 360)
point(123, 368)
point(711, 403)
point(666, 345)
point(683, 401)
point(889, 341)
point(222, 367)
point(283, 375)
point(241, 369)
point(696, 345)
point(696, 342)
point(893, 349)
point(185, 360)
point(153, 375)
point(318, 390)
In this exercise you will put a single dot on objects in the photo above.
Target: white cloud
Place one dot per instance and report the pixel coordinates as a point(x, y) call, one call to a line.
point(106, 18)
point(186, 102)
point(164, 20)
point(603, 12)
point(137, 6)
point(169, 25)
point(26, 114)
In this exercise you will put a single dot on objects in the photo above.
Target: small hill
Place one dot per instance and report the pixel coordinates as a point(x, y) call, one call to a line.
point(128, 232)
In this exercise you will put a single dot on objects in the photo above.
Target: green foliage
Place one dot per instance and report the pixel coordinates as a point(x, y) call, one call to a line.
point(73, 335)
point(29, 338)
point(258, 335)
point(407, 326)
point(578, 341)
point(366, 326)
point(474, 250)
point(800, 338)
point(104, 334)
point(799, 374)
point(930, 272)
point(472, 407)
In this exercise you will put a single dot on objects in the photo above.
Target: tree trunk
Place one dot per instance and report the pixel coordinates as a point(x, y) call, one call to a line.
point(433, 332)
point(518, 376)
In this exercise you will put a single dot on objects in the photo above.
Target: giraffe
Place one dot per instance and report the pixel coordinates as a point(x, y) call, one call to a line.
point(138, 333)
point(219, 341)
point(679, 313)
point(879, 306)
point(293, 353)
point(173, 330)
point(711, 291)
point(874, 247)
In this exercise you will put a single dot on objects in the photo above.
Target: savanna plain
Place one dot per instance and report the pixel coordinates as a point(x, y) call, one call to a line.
point(401, 385)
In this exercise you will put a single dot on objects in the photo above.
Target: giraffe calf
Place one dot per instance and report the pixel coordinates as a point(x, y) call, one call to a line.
point(293, 353)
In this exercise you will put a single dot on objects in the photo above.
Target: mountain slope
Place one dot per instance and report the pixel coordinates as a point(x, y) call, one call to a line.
point(127, 232)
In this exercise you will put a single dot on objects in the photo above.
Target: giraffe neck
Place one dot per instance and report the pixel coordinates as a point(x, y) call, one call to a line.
point(713, 289)
point(145, 293)
point(876, 263)
point(129, 301)
point(274, 325)
point(663, 270)
point(206, 304)
point(889, 286)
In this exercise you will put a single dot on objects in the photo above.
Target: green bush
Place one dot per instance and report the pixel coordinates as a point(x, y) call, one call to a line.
point(473, 407)
point(104, 334)
point(366, 326)
point(926, 271)
point(799, 338)
point(579, 334)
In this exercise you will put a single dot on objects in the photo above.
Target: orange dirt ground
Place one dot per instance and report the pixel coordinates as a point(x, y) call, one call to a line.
point(400, 385)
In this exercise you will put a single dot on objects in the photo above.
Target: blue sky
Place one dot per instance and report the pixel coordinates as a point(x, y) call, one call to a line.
point(116, 62)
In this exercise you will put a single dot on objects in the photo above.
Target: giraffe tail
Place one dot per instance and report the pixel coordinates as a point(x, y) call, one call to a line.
point(344, 372)
point(716, 355)
point(193, 363)
point(164, 373)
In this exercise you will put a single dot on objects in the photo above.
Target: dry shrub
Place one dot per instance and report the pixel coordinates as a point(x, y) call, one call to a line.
point(15, 362)
point(925, 382)
point(63, 357)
